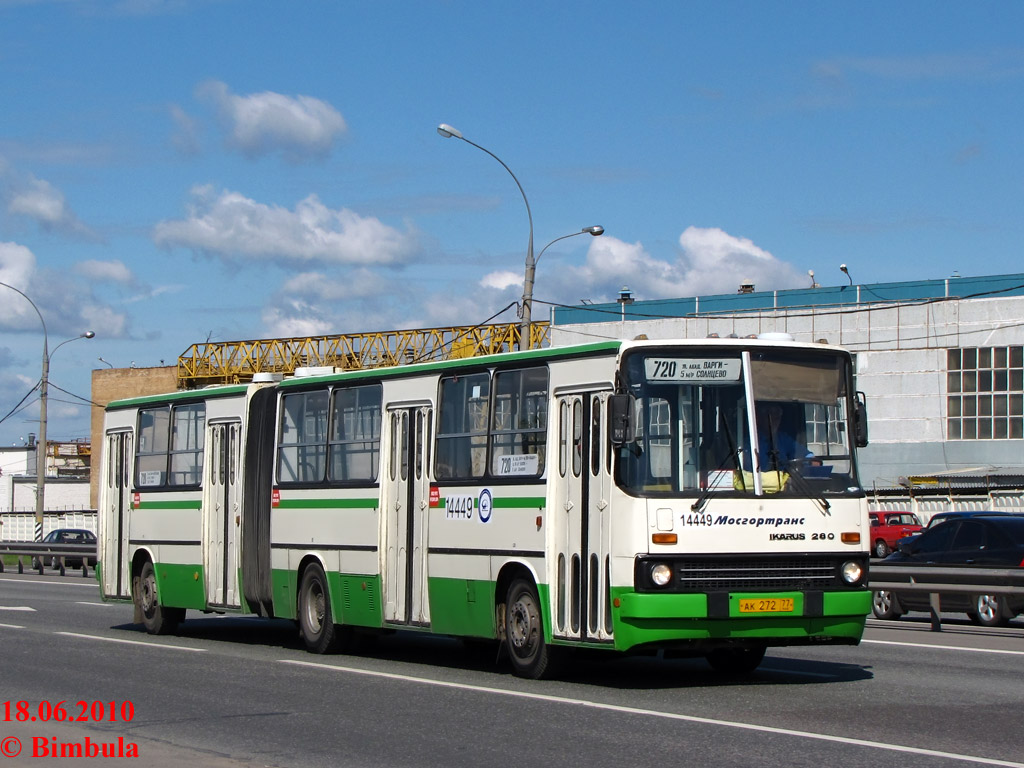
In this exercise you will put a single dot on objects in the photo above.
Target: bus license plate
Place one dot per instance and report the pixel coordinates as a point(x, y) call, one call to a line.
point(766, 605)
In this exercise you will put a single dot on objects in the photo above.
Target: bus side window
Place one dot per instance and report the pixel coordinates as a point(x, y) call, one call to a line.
point(355, 434)
point(519, 423)
point(462, 426)
point(302, 440)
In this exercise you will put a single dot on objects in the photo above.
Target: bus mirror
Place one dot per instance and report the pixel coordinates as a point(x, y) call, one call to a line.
point(620, 419)
point(860, 420)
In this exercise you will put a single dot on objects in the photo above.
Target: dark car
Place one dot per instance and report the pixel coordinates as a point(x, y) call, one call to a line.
point(941, 517)
point(70, 536)
point(978, 540)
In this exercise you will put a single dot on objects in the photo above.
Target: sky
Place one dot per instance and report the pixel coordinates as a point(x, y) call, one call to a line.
point(177, 171)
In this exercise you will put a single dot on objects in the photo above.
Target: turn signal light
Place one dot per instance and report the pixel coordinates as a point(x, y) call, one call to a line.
point(664, 538)
point(850, 537)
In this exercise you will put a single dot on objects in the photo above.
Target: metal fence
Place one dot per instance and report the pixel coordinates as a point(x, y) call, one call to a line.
point(20, 526)
point(927, 506)
point(935, 580)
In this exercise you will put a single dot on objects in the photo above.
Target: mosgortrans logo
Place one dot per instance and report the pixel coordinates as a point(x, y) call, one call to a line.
point(758, 522)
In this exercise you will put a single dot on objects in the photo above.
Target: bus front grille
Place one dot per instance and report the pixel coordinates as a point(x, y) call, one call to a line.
point(738, 574)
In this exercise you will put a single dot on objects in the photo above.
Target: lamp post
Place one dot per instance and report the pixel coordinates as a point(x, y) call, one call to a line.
point(43, 387)
point(596, 231)
point(449, 132)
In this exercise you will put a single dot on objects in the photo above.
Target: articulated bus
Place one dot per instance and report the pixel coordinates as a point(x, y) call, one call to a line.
point(617, 495)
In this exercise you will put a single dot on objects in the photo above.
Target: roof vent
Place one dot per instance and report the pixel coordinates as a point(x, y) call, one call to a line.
point(315, 370)
point(775, 336)
point(267, 378)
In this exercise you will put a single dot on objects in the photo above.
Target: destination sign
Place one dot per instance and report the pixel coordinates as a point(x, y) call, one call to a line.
point(692, 369)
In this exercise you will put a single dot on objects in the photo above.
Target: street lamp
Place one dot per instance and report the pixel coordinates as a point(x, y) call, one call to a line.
point(449, 132)
point(597, 230)
point(43, 387)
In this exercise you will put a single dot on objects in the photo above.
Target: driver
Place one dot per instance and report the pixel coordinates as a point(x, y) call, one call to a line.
point(777, 445)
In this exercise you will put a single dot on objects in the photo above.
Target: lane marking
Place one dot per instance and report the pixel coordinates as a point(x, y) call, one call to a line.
point(11, 626)
point(663, 715)
point(944, 647)
point(68, 582)
point(99, 605)
point(131, 642)
point(16, 608)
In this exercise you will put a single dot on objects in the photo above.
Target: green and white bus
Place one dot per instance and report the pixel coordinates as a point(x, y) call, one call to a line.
point(617, 495)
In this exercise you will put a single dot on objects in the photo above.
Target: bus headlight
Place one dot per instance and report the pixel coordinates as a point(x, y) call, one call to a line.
point(852, 571)
point(661, 574)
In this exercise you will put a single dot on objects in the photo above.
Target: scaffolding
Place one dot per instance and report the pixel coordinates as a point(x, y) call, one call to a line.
point(236, 362)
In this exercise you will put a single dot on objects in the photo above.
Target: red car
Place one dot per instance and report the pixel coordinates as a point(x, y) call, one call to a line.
point(887, 527)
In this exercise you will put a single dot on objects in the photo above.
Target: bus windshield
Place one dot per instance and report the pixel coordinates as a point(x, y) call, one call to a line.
point(738, 421)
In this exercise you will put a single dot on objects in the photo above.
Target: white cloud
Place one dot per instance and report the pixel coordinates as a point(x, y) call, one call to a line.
point(313, 303)
point(17, 263)
point(300, 127)
point(186, 132)
point(710, 261)
point(40, 201)
point(502, 280)
point(230, 224)
point(65, 300)
point(113, 271)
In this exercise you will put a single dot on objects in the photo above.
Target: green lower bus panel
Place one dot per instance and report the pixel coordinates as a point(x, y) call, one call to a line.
point(181, 586)
point(462, 607)
point(662, 619)
point(355, 599)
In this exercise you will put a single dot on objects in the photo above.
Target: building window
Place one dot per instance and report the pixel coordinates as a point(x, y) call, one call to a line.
point(985, 393)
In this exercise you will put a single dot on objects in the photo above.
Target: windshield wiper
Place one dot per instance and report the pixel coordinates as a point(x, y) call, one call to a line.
point(805, 488)
point(733, 455)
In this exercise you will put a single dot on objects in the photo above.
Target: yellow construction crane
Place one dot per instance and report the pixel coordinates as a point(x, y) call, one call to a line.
point(233, 362)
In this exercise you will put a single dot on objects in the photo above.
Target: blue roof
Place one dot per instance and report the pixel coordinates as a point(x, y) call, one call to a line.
point(829, 296)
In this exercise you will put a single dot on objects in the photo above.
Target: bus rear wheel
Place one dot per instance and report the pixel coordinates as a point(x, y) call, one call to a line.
point(531, 656)
point(156, 618)
point(316, 622)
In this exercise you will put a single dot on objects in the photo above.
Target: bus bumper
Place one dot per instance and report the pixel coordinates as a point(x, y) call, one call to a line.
point(681, 620)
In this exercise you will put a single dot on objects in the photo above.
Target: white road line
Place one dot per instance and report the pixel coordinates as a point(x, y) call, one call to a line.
point(100, 605)
point(664, 715)
point(944, 647)
point(11, 626)
point(16, 608)
point(132, 642)
point(90, 583)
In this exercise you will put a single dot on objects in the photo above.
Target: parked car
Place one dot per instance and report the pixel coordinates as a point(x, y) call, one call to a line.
point(69, 536)
point(979, 541)
point(889, 527)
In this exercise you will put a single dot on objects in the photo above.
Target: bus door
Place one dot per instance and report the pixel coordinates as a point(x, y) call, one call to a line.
point(405, 516)
point(115, 514)
point(222, 513)
point(582, 521)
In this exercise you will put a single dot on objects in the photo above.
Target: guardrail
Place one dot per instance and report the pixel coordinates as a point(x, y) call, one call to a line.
point(55, 553)
point(937, 579)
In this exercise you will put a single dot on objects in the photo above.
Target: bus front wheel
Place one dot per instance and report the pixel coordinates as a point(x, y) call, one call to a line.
point(531, 656)
point(157, 619)
point(316, 623)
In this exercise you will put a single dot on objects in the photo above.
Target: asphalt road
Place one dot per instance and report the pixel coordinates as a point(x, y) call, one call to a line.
point(231, 692)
